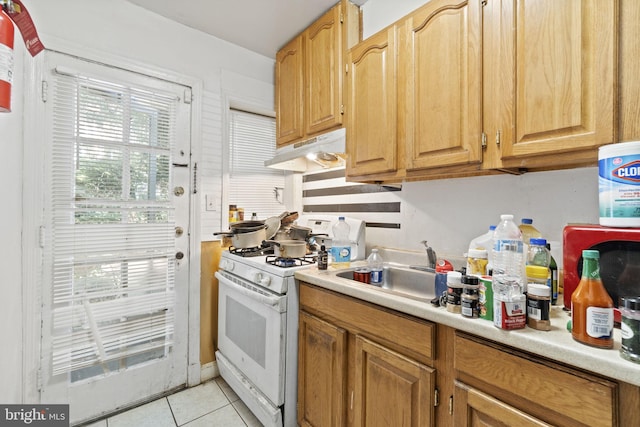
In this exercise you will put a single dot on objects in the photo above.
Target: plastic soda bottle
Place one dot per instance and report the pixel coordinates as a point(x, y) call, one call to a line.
point(375, 264)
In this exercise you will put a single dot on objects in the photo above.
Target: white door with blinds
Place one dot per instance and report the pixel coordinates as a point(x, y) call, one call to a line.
point(116, 265)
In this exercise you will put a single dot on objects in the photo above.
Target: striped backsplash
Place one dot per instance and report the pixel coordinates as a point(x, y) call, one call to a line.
point(328, 192)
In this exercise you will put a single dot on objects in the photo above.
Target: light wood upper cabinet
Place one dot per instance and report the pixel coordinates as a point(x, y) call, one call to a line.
point(323, 72)
point(484, 86)
point(550, 75)
point(289, 92)
point(439, 79)
point(309, 75)
point(372, 106)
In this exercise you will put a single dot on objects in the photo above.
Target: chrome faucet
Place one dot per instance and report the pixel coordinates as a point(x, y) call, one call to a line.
point(431, 254)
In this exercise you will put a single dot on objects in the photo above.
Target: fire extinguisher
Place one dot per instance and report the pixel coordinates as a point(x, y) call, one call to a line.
point(6, 59)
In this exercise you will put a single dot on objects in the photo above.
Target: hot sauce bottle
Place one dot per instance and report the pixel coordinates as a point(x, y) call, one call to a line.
point(591, 306)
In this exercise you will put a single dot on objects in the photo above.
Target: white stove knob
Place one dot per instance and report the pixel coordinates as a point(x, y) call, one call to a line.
point(255, 276)
point(265, 281)
point(225, 264)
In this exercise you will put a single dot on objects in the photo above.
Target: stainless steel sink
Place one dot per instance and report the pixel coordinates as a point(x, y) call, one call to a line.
point(403, 281)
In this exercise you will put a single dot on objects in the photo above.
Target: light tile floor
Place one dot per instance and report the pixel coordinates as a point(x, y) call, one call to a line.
point(211, 404)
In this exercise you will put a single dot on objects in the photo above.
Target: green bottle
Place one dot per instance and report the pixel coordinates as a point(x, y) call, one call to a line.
point(553, 267)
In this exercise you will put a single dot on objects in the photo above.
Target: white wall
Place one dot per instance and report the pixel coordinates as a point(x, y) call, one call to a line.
point(449, 213)
point(122, 32)
point(377, 14)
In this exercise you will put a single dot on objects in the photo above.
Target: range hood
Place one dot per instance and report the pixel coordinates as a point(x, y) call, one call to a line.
point(321, 152)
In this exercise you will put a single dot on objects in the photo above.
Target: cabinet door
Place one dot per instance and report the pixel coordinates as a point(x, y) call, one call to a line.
point(321, 372)
point(289, 92)
point(440, 70)
point(474, 408)
point(549, 79)
point(323, 72)
point(390, 389)
point(372, 106)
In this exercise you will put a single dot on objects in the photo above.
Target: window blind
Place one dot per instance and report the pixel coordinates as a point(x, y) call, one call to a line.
point(112, 221)
point(252, 186)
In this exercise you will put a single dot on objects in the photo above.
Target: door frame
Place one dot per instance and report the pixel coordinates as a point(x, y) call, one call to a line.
point(33, 202)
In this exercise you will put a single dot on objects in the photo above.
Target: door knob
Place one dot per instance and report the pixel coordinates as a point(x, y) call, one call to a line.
point(179, 231)
point(179, 255)
point(178, 191)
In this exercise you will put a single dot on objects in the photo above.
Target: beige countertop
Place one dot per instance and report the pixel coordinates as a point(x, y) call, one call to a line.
point(556, 344)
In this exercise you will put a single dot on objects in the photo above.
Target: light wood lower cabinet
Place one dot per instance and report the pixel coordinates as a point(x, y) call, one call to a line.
point(498, 386)
point(390, 388)
point(321, 372)
point(362, 365)
point(475, 408)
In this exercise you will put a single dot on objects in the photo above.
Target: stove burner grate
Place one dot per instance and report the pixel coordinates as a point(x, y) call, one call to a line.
point(250, 252)
point(291, 262)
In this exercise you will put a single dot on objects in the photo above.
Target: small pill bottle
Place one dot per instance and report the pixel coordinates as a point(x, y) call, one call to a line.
point(454, 291)
point(538, 306)
point(469, 300)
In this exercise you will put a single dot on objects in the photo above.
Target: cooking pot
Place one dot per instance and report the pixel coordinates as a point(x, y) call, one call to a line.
point(246, 226)
point(288, 248)
point(248, 239)
point(296, 232)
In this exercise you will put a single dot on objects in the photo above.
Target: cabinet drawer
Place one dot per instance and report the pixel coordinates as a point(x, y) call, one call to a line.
point(408, 335)
point(553, 393)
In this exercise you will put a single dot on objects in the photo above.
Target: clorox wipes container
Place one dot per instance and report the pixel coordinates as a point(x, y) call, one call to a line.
point(619, 184)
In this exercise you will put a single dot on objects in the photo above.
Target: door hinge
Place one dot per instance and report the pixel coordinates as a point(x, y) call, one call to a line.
point(39, 379)
point(41, 236)
point(195, 178)
point(341, 108)
point(436, 397)
point(44, 91)
point(346, 68)
point(498, 133)
point(188, 96)
point(351, 405)
point(341, 17)
point(484, 140)
point(450, 405)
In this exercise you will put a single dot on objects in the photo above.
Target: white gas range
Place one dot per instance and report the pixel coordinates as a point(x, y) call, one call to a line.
point(258, 323)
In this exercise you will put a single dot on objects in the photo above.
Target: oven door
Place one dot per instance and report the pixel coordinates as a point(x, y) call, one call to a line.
point(252, 333)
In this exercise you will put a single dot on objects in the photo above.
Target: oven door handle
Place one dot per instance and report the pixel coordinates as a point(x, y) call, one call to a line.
point(276, 302)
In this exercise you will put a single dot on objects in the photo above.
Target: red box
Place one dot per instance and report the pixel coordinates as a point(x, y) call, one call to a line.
point(619, 258)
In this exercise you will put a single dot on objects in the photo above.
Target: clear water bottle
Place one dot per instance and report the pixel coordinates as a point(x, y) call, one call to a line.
point(375, 264)
point(509, 301)
point(340, 244)
point(508, 260)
